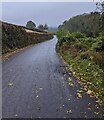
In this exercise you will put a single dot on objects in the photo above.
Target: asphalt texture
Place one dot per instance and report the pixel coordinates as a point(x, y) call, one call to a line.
point(34, 85)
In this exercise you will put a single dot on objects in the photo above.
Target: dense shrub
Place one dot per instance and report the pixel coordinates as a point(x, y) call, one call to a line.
point(66, 36)
point(89, 24)
point(14, 36)
point(85, 56)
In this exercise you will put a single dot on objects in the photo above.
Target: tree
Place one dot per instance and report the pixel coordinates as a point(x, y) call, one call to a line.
point(41, 27)
point(31, 25)
point(100, 6)
point(89, 24)
point(45, 27)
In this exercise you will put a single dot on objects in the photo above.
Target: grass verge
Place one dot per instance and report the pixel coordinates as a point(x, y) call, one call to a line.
point(85, 59)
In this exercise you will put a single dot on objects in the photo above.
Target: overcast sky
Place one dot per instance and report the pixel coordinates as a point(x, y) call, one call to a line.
point(52, 13)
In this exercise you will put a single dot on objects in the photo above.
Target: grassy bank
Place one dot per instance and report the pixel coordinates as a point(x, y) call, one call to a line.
point(85, 56)
point(16, 37)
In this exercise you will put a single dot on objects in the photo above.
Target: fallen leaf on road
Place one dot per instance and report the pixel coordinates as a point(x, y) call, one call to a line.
point(79, 95)
point(37, 96)
point(69, 99)
point(89, 104)
point(97, 106)
point(16, 115)
point(70, 73)
point(89, 108)
point(63, 105)
point(64, 75)
point(99, 101)
point(69, 111)
point(71, 84)
point(69, 79)
point(10, 84)
point(89, 92)
point(85, 87)
point(80, 91)
point(96, 113)
point(40, 88)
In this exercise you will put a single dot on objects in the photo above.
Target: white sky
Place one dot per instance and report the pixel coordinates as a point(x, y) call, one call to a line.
point(50, 0)
point(51, 13)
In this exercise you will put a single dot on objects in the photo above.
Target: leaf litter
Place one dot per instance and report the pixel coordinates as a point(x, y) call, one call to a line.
point(16, 115)
point(70, 82)
point(10, 84)
point(79, 95)
point(69, 111)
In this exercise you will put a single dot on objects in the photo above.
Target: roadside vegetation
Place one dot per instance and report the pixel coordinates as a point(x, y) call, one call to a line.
point(81, 44)
point(16, 37)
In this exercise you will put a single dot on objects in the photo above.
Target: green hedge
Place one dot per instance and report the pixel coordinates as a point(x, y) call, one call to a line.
point(14, 36)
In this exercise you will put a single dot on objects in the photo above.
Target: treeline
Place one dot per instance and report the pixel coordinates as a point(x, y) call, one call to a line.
point(40, 28)
point(89, 24)
point(81, 44)
point(14, 37)
point(31, 25)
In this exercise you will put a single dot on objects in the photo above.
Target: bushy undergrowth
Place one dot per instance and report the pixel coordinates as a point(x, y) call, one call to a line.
point(89, 24)
point(14, 36)
point(85, 56)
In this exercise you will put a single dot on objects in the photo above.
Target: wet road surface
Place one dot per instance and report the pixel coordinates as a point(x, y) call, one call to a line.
point(34, 86)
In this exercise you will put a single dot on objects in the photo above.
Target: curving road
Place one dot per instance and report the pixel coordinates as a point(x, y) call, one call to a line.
point(34, 86)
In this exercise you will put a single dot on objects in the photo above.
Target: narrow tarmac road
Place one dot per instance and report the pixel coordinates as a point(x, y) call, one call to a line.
point(34, 86)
